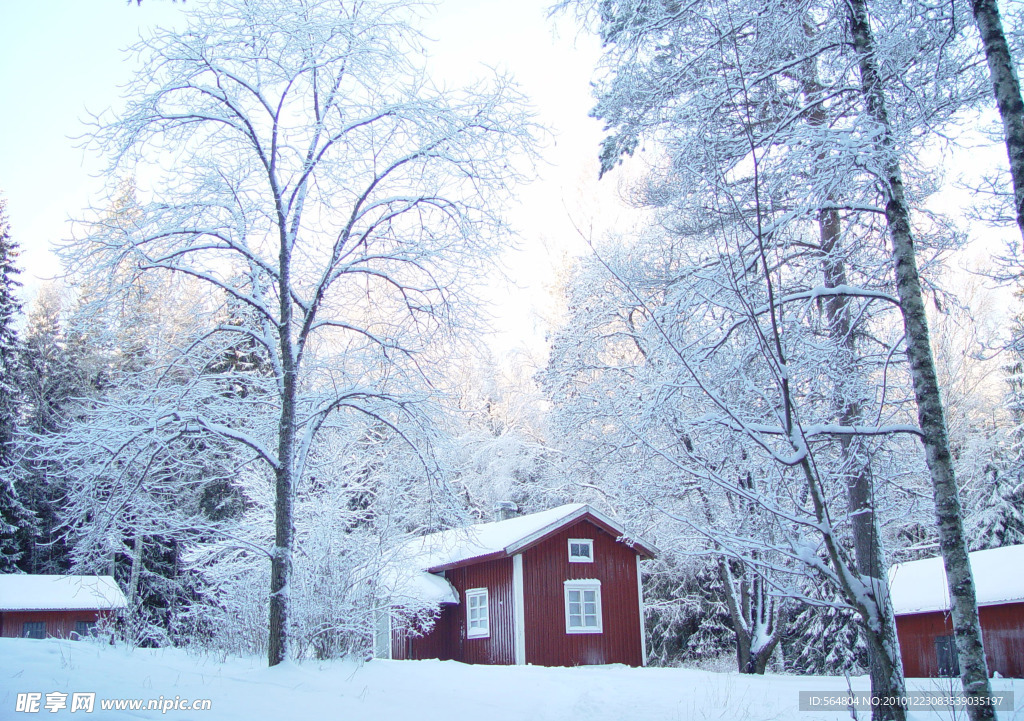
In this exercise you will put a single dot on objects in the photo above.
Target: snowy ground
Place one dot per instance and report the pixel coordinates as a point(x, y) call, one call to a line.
point(244, 689)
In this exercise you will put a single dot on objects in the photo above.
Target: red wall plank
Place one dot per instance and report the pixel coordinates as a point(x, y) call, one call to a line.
point(59, 624)
point(1002, 633)
point(409, 643)
point(917, 634)
point(496, 577)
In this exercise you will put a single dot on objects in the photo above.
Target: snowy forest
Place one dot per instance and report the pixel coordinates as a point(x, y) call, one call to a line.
point(264, 366)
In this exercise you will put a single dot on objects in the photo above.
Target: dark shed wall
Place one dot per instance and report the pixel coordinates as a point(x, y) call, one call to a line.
point(546, 566)
point(496, 577)
point(59, 624)
point(917, 634)
point(1002, 632)
point(409, 643)
point(448, 639)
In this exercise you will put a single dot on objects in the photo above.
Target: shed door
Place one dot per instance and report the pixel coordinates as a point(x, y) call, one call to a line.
point(945, 651)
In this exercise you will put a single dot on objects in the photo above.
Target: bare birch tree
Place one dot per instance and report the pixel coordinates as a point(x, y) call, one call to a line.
point(764, 108)
point(1006, 92)
point(930, 410)
point(296, 157)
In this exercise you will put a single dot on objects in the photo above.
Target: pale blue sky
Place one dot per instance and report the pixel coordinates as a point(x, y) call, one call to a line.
point(60, 59)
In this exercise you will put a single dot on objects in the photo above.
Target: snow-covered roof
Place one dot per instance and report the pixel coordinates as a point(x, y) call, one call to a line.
point(481, 539)
point(413, 567)
point(407, 584)
point(920, 586)
point(458, 545)
point(23, 592)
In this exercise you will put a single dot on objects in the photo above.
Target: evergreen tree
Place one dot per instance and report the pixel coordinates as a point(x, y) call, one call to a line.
point(57, 366)
point(824, 640)
point(10, 307)
point(55, 373)
point(15, 522)
point(13, 515)
point(715, 637)
point(996, 516)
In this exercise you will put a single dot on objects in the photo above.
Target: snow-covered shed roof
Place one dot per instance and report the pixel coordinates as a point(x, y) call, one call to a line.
point(23, 592)
point(413, 568)
point(920, 586)
point(459, 546)
point(407, 584)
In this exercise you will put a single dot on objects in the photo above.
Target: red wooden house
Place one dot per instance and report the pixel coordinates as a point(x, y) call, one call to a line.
point(556, 588)
point(921, 601)
point(59, 606)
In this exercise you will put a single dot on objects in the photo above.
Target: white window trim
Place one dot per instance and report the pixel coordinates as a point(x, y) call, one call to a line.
point(584, 584)
point(478, 632)
point(589, 542)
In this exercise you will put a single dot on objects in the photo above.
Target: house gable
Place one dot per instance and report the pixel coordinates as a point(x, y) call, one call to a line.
point(532, 537)
point(596, 519)
point(546, 568)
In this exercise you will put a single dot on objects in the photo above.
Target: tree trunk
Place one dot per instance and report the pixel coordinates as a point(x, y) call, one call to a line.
point(284, 528)
point(886, 671)
point(879, 628)
point(280, 569)
point(760, 659)
point(1006, 90)
point(930, 412)
point(739, 627)
point(136, 573)
point(755, 612)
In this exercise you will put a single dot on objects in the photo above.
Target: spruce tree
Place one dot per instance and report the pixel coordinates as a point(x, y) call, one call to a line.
point(998, 517)
point(10, 308)
point(14, 517)
point(56, 370)
point(824, 639)
point(997, 508)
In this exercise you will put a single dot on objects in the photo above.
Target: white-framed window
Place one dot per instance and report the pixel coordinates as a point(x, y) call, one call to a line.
point(581, 550)
point(477, 623)
point(583, 606)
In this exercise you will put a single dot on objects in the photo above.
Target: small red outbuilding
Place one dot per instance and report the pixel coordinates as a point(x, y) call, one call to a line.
point(38, 606)
point(556, 588)
point(920, 597)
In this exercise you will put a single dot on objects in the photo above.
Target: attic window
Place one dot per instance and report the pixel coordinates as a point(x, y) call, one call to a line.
point(581, 550)
point(477, 622)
